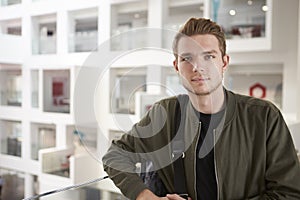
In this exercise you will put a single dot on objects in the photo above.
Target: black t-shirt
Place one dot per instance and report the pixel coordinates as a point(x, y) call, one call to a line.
point(206, 183)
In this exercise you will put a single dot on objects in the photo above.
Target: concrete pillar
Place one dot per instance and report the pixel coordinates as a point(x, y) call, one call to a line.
point(62, 32)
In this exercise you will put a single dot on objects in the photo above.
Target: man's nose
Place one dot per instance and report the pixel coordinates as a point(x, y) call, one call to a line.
point(198, 66)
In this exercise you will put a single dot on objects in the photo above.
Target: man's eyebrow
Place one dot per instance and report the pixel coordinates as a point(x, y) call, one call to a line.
point(210, 52)
point(185, 54)
point(203, 53)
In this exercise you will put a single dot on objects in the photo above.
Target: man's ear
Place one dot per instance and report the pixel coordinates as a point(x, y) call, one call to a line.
point(175, 65)
point(225, 63)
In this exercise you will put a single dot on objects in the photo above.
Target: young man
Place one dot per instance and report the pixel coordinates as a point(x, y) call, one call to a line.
point(235, 147)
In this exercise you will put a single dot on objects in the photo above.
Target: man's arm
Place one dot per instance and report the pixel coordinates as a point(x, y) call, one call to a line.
point(120, 164)
point(121, 158)
point(282, 170)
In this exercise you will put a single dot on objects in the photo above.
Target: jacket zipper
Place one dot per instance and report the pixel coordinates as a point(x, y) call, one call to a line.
point(195, 161)
point(215, 163)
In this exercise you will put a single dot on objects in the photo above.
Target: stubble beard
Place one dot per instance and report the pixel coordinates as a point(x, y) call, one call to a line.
point(210, 91)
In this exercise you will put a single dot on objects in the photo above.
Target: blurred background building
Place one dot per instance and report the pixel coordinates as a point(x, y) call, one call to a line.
point(45, 43)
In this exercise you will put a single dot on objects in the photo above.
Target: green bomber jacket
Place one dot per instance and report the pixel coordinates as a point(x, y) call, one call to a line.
point(255, 157)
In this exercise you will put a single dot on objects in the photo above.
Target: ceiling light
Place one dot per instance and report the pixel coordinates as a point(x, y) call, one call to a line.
point(232, 12)
point(265, 8)
point(250, 2)
point(136, 15)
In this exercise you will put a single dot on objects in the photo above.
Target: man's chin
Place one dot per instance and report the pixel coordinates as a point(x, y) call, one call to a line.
point(198, 92)
point(203, 91)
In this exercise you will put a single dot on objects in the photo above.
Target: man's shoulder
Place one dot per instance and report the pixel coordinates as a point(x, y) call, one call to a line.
point(249, 101)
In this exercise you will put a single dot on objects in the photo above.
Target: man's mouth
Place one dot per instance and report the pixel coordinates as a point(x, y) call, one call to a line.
point(200, 79)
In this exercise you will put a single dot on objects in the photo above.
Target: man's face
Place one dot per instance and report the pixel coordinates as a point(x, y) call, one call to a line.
point(200, 64)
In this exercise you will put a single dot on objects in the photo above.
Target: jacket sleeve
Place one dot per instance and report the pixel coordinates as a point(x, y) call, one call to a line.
point(282, 167)
point(120, 160)
point(120, 164)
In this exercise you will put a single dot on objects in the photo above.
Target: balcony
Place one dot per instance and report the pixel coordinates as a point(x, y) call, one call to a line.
point(11, 85)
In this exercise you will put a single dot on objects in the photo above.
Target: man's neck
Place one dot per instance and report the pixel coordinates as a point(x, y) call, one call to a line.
point(210, 103)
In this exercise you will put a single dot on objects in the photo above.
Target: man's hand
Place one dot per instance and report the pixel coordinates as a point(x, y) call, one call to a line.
point(148, 195)
point(175, 197)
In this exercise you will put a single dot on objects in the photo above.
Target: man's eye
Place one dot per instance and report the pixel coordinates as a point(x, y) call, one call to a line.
point(208, 57)
point(187, 58)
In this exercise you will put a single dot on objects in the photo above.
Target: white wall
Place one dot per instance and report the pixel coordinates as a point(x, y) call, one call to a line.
point(10, 49)
point(284, 52)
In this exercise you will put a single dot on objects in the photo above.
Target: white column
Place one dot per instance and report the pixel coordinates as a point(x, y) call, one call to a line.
point(35, 36)
point(27, 31)
point(28, 184)
point(61, 135)
point(157, 10)
point(62, 32)
point(26, 140)
point(27, 48)
point(207, 8)
point(41, 90)
point(104, 22)
point(26, 88)
point(71, 33)
point(156, 13)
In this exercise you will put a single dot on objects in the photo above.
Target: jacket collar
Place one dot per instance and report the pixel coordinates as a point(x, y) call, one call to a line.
point(230, 106)
point(192, 120)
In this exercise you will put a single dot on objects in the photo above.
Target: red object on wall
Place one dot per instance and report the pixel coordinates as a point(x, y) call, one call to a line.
point(57, 92)
point(258, 86)
point(57, 89)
